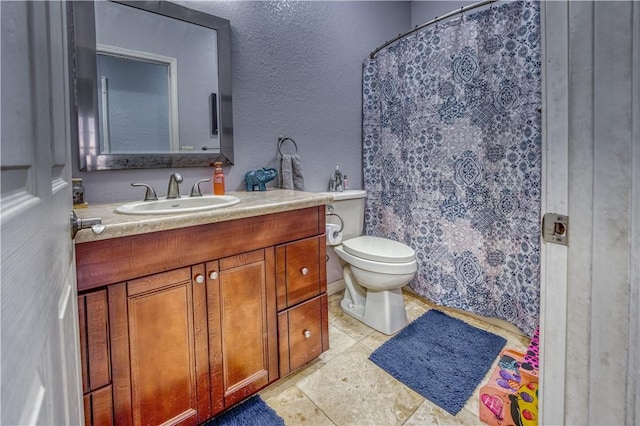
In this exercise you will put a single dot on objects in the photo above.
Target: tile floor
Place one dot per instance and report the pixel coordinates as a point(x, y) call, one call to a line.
point(342, 387)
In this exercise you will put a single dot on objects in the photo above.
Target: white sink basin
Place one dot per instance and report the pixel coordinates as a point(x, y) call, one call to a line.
point(178, 205)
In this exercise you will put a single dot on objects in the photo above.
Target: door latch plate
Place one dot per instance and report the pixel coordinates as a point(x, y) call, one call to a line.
point(555, 228)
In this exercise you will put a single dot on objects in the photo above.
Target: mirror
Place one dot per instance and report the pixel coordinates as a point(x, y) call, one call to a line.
point(156, 97)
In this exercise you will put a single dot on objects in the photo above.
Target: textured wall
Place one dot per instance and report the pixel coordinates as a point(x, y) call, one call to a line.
point(296, 72)
point(424, 11)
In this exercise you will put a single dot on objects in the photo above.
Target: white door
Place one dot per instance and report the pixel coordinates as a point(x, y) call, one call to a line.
point(39, 331)
point(590, 318)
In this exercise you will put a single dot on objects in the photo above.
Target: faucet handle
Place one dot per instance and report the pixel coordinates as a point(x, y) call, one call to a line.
point(150, 194)
point(195, 189)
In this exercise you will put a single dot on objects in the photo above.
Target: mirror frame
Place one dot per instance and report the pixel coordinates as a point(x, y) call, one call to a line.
point(84, 33)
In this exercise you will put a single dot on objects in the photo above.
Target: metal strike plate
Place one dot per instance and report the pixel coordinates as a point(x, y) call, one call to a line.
point(555, 228)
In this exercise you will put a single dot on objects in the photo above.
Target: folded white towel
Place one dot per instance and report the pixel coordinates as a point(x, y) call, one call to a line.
point(291, 176)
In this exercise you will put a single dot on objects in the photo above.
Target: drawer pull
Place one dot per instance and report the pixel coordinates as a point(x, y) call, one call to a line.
point(307, 334)
point(304, 271)
point(199, 278)
point(213, 275)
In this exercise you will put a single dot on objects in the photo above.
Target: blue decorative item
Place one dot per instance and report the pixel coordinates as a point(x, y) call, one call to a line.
point(259, 178)
point(452, 158)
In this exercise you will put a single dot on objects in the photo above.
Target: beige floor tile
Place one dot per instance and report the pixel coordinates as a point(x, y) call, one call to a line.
point(411, 298)
point(430, 414)
point(295, 409)
point(375, 339)
point(336, 297)
point(351, 390)
point(415, 307)
point(346, 323)
point(518, 342)
point(338, 343)
point(291, 380)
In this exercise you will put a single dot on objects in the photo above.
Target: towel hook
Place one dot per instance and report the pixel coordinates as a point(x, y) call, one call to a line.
point(282, 139)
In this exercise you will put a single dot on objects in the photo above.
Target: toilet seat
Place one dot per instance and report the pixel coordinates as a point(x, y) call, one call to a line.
point(379, 249)
point(391, 268)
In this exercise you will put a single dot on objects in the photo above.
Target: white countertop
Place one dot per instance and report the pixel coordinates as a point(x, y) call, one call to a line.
point(255, 203)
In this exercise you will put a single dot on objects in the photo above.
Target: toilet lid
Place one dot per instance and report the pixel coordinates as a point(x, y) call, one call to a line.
point(379, 249)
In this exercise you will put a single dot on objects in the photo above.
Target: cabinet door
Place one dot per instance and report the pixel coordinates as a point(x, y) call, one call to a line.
point(242, 325)
point(159, 342)
point(98, 407)
point(94, 340)
point(94, 355)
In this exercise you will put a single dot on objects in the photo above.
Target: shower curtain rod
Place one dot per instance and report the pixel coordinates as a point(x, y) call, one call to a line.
point(431, 22)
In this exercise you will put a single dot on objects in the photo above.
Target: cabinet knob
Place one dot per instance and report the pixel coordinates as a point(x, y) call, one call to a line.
point(304, 271)
point(213, 275)
point(199, 278)
point(307, 334)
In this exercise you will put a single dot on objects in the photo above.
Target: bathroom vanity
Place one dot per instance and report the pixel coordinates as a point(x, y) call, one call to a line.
point(183, 316)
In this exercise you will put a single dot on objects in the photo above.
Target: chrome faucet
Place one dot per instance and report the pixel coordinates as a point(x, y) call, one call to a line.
point(174, 186)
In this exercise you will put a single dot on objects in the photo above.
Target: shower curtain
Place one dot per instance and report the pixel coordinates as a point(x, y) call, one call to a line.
point(452, 158)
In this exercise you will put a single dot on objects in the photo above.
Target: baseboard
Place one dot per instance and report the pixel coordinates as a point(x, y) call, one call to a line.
point(335, 287)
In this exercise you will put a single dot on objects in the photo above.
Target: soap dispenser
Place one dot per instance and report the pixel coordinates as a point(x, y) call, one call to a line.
point(218, 179)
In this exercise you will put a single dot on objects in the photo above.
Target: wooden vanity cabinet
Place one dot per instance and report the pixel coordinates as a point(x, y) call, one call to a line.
point(179, 325)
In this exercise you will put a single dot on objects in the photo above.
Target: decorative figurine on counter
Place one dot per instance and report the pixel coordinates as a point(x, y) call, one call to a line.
point(336, 182)
point(259, 178)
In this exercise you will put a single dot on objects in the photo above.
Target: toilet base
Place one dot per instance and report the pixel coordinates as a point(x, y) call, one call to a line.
point(380, 310)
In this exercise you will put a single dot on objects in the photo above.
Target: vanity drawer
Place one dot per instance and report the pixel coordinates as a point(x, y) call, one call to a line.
point(303, 333)
point(300, 271)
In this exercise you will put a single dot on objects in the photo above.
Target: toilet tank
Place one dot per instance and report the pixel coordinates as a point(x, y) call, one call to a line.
point(349, 205)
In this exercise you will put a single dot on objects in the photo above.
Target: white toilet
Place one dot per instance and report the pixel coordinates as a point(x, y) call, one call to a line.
point(374, 269)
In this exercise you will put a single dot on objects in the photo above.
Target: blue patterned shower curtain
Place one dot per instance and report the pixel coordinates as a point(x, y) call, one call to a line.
point(452, 158)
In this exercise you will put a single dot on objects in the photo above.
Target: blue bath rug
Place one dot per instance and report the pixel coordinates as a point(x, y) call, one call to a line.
point(442, 358)
point(254, 411)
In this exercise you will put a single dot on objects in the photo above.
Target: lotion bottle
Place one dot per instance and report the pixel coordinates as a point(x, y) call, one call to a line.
point(218, 179)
